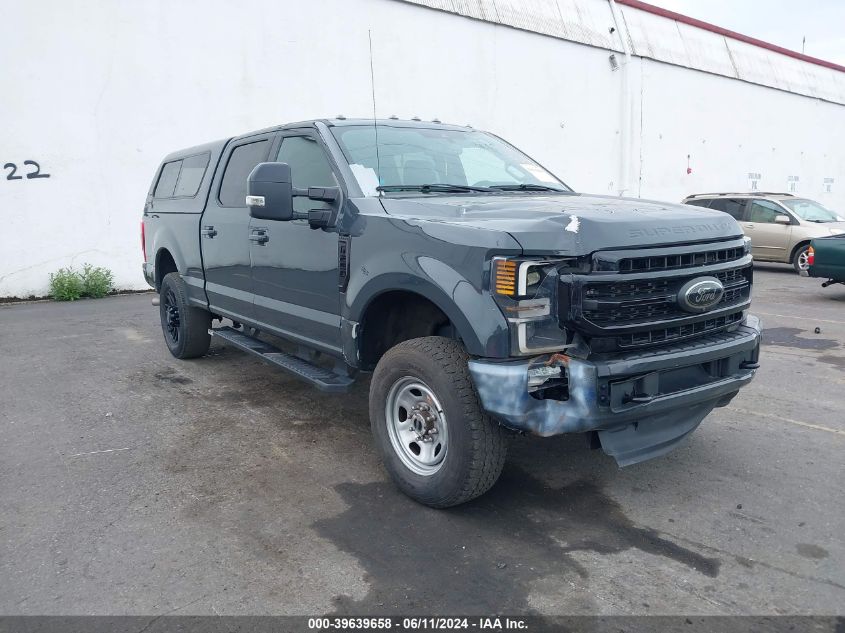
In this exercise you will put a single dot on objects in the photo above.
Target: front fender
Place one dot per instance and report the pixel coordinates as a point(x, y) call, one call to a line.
point(446, 263)
point(475, 315)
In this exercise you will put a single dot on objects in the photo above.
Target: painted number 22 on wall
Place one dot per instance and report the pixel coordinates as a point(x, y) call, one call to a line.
point(33, 173)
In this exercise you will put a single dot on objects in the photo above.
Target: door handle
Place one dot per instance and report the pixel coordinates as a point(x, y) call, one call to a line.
point(208, 231)
point(259, 236)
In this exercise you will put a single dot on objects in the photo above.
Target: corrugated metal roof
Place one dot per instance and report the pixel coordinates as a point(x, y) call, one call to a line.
point(662, 36)
point(579, 21)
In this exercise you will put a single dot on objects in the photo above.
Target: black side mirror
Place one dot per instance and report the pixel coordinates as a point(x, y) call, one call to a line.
point(270, 192)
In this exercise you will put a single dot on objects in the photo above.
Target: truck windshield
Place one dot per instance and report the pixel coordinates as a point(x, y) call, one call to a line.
point(437, 160)
point(810, 211)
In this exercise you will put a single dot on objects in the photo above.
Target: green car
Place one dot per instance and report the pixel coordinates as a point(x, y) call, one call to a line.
point(826, 259)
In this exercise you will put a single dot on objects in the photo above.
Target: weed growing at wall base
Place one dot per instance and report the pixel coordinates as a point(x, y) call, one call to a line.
point(97, 282)
point(68, 284)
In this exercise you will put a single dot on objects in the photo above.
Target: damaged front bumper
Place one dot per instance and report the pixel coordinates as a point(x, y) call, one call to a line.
point(642, 404)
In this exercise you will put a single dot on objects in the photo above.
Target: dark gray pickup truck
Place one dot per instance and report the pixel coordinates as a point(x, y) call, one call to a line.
point(485, 296)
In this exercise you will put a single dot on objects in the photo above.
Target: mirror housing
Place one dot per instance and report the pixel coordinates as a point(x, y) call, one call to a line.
point(270, 192)
point(782, 219)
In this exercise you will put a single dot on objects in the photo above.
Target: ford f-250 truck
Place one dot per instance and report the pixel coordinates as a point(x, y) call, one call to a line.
point(485, 296)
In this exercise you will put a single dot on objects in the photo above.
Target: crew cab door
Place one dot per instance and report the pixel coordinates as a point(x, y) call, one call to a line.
point(294, 267)
point(224, 231)
point(769, 239)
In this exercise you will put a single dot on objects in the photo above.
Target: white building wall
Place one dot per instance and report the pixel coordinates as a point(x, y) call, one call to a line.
point(729, 129)
point(97, 92)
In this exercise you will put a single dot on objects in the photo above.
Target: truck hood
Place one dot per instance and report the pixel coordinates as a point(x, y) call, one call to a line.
point(571, 224)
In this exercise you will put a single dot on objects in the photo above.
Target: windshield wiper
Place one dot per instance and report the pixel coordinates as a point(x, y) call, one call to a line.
point(434, 187)
point(527, 187)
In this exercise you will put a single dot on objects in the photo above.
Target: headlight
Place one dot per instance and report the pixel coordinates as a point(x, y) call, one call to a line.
point(746, 245)
point(515, 278)
point(532, 278)
point(526, 291)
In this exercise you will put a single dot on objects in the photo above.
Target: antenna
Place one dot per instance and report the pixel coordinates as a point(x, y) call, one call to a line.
point(375, 125)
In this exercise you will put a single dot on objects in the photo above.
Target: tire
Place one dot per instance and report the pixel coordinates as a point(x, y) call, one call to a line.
point(799, 261)
point(447, 410)
point(185, 327)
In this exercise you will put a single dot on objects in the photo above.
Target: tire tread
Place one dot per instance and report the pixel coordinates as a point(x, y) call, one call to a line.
point(489, 440)
point(196, 321)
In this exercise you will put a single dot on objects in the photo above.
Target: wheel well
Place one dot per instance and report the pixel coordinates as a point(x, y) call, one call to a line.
point(797, 248)
point(398, 316)
point(164, 264)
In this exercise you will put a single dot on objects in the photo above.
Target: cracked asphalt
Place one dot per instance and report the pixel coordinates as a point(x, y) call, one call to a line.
point(134, 483)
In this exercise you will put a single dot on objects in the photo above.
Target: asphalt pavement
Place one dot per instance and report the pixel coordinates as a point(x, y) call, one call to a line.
point(135, 483)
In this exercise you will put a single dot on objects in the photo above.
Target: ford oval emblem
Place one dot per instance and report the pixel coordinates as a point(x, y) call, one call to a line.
point(700, 294)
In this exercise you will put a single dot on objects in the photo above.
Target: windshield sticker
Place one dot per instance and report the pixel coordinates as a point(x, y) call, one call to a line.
point(366, 177)
point(574, 224)
point(538, 172)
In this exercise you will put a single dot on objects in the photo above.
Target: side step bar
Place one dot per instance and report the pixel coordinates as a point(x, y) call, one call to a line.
point(323, 379)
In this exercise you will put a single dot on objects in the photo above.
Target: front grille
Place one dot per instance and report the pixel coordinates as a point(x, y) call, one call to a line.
point(620, 310)
point(678, 332)
point(680, 260)
point(628, 302)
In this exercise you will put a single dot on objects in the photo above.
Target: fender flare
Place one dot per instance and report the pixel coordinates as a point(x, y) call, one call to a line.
point(487, 336)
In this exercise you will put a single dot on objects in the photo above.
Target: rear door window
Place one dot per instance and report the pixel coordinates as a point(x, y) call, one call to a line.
point(731, 206)
point(190, 176)
point(167, 180)
point(243, 160)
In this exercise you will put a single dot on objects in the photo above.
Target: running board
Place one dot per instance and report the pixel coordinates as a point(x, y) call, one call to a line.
point(323, 379)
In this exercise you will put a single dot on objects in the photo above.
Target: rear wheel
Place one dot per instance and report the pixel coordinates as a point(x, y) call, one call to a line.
point(801, 260)
point(185, 327)
point(436, 442)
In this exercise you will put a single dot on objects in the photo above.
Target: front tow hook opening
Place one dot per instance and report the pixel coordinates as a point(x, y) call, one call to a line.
point(637, 398)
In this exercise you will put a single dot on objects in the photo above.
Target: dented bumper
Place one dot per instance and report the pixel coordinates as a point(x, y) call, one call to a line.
point(642, 404)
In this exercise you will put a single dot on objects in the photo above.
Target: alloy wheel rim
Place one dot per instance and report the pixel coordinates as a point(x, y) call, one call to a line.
point(803, 261)
point(172, 319)
point(416, 426)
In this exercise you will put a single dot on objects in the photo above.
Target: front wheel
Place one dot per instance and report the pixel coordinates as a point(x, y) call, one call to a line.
point(436, 442)
point(185, 327)
point(801, 261)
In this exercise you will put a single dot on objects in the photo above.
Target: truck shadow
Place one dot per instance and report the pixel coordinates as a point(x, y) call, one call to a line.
point(483, 557)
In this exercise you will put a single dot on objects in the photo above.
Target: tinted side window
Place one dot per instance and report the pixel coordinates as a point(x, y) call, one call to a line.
point(309, 167)
point(730, 206)
point(242, 161)
point(308, 163)
point(190, 177)
point(699, 203)
point(764, 211)
point(167, 179)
